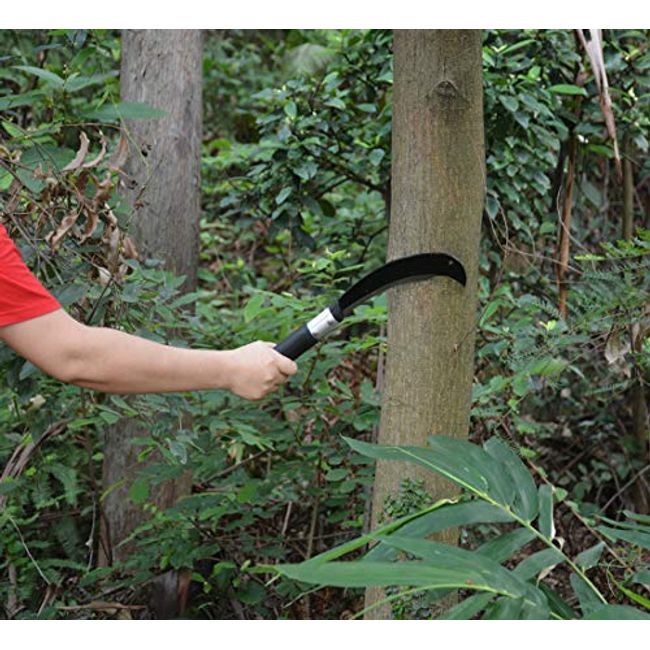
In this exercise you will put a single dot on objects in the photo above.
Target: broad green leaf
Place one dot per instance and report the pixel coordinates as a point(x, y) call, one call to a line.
point(178, 450)
point(635, 537)
point(291, 110)
point(504, 609)
point(509, 102)
point(557, 604)
point(73, 84)
point(139, 491)
point(384, 574)
point(253, 307)
point(616, 613)
point(8, 102)
point(545, 522)
point(465, 464)
point(353, 545)
point(589, 601)
point(336, 474)
point(335, 102)
point(125, 111)
point(46, 75)
point(567, 89)
point(644, 519)
point(376, 156)
point(589, 558)
point(642, 578)
point(531, 566)
point(468, 607)
point(504, 546)
point(283, 195)
point(525, 502)
point(465, 513)
point(444, 556)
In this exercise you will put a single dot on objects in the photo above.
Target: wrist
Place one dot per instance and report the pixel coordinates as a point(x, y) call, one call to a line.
point(226, 368)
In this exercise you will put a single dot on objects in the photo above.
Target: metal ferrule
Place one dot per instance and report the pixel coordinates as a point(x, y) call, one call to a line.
point(323, 324)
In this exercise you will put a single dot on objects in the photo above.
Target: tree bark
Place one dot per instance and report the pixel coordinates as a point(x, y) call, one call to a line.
point(438, 184)
point(164, 69)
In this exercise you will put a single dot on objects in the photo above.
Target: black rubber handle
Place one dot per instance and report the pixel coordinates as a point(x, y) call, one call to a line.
point(296, 343)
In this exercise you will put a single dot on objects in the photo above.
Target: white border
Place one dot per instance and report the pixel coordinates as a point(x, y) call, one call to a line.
point(325, 14)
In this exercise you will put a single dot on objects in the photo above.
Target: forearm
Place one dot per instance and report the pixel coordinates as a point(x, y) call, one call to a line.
point(111, 361)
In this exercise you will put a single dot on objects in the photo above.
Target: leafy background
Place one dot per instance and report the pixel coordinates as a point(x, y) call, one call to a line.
point(296, 191)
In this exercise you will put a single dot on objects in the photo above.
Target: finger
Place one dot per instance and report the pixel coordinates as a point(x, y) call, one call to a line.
point(285, 365)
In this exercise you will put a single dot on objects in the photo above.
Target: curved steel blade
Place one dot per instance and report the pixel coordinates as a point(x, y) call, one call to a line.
point(404, 269)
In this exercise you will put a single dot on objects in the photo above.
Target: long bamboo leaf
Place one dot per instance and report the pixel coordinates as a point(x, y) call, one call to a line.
point(465, 513)
point(468, 607)
point(525, 496)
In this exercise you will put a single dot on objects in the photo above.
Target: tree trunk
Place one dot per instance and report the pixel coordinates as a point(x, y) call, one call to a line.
point(164, 69)
point(438, 183)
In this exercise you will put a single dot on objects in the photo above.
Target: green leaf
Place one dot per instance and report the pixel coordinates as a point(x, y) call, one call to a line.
point(335, 102)
point(557, 604)
point(589, 601)
point(616, 613)
point(465, 514)
point(139, 491)
point(509, 102)
point(178, 450)
point(637, 538)
point(642, 578)
point(533, 565)
point(291, 110)
point(444, 556)
point(47, 76)
point(376, 156)
point(283, 195)
point(637, 598)
point(504, 609)
point(336, 474)
point(8, 102)
point(468, 608)
point(567, 89)
point(502, 548)
point(71, 294)
point(253, 307)
point(545, 523)
point(125, 111)
point(461, 462)
point(525, 502)
point(73, 84)
point(589, 558)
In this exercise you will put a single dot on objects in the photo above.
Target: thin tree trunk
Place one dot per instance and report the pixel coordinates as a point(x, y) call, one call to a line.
point(164, 69)
point(438, 183)
point(627, 226)
point(565, 229)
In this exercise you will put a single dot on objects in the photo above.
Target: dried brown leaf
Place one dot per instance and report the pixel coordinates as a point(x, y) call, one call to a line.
point(130, 250)
point(55, 238)
point(104, 189)
point(119, 156)
point(92, 219)
point(594, 49)
point(78, 160)
point(100, 156)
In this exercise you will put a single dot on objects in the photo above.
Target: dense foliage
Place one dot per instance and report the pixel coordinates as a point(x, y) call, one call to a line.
point(296, 192)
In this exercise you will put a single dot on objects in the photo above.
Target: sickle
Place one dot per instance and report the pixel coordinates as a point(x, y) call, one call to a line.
point(405, 269)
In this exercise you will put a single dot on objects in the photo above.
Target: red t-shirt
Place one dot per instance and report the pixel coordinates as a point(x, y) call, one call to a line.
point(22, 296)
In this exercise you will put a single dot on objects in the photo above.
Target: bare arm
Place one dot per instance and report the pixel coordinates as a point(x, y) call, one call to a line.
point(111, 361)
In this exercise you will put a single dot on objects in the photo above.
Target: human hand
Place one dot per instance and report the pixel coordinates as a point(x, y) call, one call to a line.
point(257, 370)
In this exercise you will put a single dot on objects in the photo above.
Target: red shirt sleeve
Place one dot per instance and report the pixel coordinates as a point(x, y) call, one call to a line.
point(22, 296)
